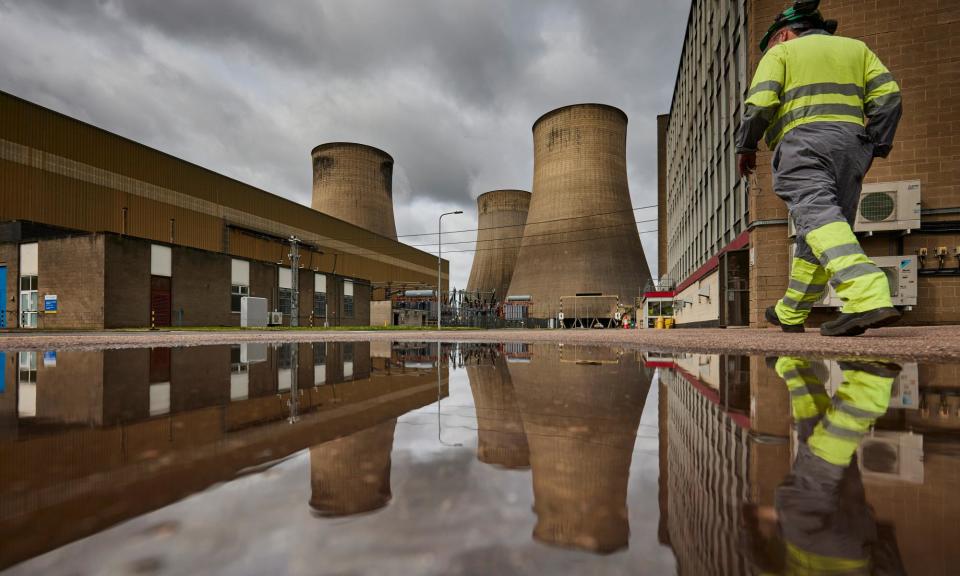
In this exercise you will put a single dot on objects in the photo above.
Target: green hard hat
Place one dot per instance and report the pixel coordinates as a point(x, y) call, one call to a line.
point(802, 12)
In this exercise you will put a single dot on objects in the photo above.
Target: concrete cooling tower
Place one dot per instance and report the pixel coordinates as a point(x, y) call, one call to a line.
point(580, 235)
point(581, 409)
point(500, 220)
point(500, 437)
point(351, 475)
point(354, 182)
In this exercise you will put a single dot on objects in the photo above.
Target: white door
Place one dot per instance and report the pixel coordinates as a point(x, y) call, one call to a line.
point(29, 302)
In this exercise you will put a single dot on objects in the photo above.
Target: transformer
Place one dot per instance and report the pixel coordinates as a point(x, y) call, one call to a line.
point(354, 182)
point(581, 234)
point(501, 215)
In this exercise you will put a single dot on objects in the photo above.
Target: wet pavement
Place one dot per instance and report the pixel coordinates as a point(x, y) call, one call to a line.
point(474, 458)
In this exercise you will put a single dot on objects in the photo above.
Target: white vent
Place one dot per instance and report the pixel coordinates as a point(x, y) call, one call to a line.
point(276, 318)
point(889, 206)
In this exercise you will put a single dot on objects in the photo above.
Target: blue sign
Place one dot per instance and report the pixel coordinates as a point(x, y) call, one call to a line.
point(50, 358)
point(50, 303)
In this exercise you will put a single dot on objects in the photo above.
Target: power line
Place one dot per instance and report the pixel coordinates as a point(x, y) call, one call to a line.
point(554, 243)
point(529, 223)
point(536, 235)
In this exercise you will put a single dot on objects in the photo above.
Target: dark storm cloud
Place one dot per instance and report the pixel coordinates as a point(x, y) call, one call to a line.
point(449, 88)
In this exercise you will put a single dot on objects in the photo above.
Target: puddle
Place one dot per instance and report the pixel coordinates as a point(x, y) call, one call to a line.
point(378, 458)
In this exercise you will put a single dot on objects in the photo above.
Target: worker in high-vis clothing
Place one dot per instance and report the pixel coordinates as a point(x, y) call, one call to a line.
point(827, 107)
point(821, 522)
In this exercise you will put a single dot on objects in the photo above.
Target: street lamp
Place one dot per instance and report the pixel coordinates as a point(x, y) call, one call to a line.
point(439, 251)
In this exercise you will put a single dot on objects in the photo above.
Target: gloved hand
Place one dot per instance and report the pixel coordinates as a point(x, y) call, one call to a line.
point(747, 163)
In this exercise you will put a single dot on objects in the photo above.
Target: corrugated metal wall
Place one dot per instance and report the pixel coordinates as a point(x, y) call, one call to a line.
point(60, 171)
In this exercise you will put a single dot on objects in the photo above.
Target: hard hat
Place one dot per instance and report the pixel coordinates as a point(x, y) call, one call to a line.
point(803, 12)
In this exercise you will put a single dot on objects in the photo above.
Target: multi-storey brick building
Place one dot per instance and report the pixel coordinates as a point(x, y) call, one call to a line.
point(727, 241)
point(104, 232)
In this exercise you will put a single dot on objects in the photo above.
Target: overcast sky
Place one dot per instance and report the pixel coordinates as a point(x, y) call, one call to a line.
point(450, 88)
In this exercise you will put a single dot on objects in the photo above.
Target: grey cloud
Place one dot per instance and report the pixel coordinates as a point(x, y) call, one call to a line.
point(449, 88)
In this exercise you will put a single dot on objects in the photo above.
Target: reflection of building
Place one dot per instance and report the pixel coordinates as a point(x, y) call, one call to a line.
point(726, 440)
point(119, 232)
point(500, 436)
point(93, 438)
point(351, 475)
point(581, 408)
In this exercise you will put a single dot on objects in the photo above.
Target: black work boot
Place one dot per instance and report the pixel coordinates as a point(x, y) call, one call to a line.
point(771, 316)
point(857, 323)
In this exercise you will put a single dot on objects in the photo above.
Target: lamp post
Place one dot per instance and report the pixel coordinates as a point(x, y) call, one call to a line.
point(439, 273)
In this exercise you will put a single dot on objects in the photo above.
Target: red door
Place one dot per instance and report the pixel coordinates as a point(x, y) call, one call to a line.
point(160, 300)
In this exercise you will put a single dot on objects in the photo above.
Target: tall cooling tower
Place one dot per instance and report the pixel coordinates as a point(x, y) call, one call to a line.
point(500, 220)
point(580, 235)
point(581, 409)
point(500, 437)
point(354, 182)
point(351, 475)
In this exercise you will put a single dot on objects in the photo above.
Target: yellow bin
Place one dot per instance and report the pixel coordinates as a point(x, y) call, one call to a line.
point(668, 323)
point(660, 323)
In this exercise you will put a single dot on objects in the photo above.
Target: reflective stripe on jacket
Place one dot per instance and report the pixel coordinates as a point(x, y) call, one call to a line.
point(820, 78)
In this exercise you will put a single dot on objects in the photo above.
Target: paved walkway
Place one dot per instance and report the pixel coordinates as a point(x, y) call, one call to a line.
point(933, 344)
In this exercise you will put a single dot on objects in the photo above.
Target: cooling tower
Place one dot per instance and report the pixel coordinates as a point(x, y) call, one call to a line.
point(500, 220)
point(580, 235)
point(351, 475)
point(500, 437)
point(580, 408)
point(354, 182)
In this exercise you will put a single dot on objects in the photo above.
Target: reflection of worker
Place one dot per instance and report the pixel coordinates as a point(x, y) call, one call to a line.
point(821, 513)
point(810, 94)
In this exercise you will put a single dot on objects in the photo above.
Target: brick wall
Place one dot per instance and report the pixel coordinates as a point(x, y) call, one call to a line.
point(73, 270)
point(916, 43)
point(127, 282)
point(126, 385)
point(201, 287)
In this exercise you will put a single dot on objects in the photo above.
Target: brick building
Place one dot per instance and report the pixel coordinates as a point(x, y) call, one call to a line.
point(727, 241)
point(108, 233)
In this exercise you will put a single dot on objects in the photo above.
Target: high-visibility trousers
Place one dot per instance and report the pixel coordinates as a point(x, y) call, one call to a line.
point(818, 171)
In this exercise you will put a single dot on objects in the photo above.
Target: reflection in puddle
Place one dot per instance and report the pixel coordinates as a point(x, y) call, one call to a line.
point(420, 458)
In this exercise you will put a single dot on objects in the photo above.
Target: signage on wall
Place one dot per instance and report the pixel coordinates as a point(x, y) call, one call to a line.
point(50, 304)
point(50, 359)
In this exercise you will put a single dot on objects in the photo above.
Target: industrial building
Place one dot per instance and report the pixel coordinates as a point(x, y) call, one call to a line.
point(97, 231)
point(581, 253)
point(725, 243)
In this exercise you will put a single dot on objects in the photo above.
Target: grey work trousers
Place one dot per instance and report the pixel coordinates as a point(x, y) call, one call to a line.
point(818, 170)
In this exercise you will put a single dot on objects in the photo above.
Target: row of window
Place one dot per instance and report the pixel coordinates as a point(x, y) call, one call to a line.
point(285, 303)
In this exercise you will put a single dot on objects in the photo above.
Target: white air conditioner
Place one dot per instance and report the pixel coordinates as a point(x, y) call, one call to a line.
point(896, 456)
point(889, 206)
point(276, 318)
point(901, 273)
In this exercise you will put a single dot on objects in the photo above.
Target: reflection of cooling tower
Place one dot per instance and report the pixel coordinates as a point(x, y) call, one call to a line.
point(354, 182)
point(581, 412)
point(580, 235)
point(351, 475)
point(500, 437)
point(501, 215)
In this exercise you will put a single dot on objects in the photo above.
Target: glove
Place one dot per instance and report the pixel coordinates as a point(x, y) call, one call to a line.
point(747, 163)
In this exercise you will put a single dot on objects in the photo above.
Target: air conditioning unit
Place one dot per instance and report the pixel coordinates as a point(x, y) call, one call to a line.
point(896, 456)
point(889, 206)
point(901, 273)
point(276, 318)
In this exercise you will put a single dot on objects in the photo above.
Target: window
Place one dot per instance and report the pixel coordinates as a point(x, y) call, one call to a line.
point(319, 295)
point(348, 299)
point(286, 290)
point(27, 384)
point(237, 292)
point(348, 361)
point(239, 375)
point(319, 363)
point(29, 302)
point(239, 283)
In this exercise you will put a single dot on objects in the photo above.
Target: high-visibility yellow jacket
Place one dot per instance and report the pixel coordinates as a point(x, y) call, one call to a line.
point(820, 78)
